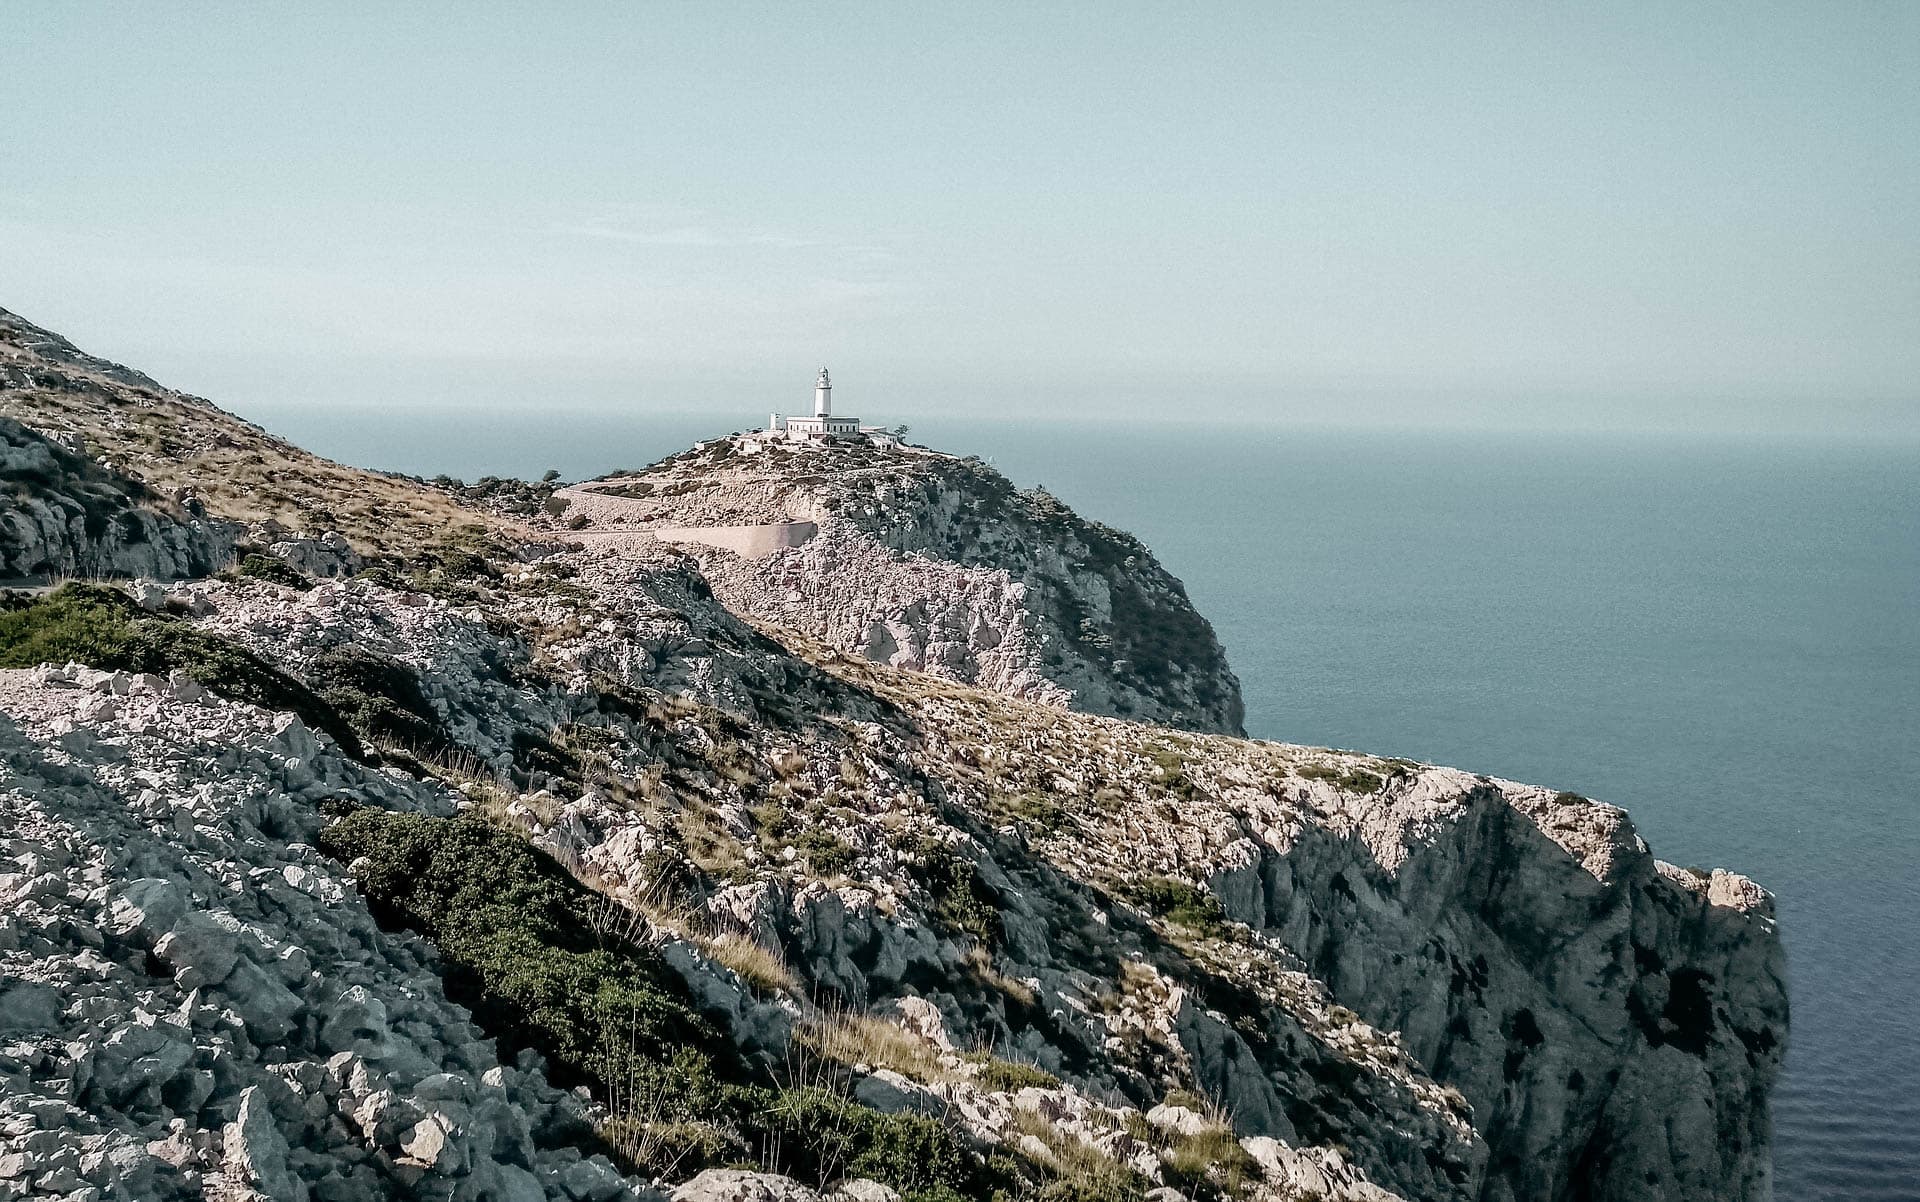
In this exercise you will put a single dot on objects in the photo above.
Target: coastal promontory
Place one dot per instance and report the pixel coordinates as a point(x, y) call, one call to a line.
point(770, 824)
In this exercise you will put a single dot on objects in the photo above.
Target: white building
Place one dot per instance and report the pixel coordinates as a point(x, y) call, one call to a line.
point(823, 426)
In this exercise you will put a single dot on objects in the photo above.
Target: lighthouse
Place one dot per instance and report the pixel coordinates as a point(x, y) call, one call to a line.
point(823, 426)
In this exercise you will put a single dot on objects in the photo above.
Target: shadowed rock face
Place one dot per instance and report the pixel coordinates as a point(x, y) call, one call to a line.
point(937, 564)
point(61, 514)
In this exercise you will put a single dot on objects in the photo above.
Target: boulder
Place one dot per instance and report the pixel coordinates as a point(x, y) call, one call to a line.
point(739, 1185)
point(257, 1152)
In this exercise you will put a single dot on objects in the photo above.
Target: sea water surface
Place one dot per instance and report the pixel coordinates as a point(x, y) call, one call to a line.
point(1721, 636)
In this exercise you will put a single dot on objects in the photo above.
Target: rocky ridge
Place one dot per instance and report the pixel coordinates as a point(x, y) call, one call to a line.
point(1055, 955)
point(189, 453)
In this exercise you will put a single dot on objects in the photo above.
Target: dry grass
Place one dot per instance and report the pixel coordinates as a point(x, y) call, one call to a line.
point(1081, 1170)
point(980, 963)
point(1211, 1156)
point(758, 965)
point(708, 843)
point(242, 473)
point(863, 1039)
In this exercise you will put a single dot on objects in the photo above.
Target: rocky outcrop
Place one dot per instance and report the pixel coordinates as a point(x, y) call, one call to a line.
point(195, 1003)
point(61, 514)
point(935, 564)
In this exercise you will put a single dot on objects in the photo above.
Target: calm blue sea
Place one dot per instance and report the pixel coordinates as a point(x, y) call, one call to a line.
point(1721, 636)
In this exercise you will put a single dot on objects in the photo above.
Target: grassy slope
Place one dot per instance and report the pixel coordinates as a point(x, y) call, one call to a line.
point(176, 442)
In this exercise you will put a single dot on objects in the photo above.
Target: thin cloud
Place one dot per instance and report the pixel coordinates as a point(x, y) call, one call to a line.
point(688, 235)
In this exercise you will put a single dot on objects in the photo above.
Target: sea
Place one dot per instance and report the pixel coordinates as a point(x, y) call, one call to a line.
point(1721, 634)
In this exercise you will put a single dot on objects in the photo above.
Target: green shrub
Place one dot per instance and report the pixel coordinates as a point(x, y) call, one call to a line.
point(827, 854)
point(458, 563)
point(518, 942)
point(274, 569)
point(819, 1135)
point(1170, 772)
point(774, 820)
point(1353, 780)
point(516, 934)
point(962, 902)
point(1178, 902)
point(380, 697)
point(102, 628)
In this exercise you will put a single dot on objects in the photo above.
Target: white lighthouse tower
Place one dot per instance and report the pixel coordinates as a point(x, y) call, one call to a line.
point(823, 395)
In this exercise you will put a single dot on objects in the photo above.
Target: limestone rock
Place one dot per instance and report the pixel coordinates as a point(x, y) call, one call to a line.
point(257, 1152)
point(736, 1185)
point(1059, 934)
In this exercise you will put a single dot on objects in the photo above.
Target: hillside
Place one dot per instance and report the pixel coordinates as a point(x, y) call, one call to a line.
point(518, 864)
point(182, 451)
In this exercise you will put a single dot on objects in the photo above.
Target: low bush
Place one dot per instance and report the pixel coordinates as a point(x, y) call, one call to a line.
point(381, 698)
point(1353, 780)
point(272, 568)
point(516, 933)
point(962, 902)
point(826, 853)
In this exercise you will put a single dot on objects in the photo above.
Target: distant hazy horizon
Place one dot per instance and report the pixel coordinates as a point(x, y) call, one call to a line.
point(1629, 217)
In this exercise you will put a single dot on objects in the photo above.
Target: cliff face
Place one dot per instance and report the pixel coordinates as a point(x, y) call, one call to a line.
point(936, 564)
point(595, 889)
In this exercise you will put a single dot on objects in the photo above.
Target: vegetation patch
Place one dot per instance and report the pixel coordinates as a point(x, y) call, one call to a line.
point(1079, 1171)
point(1170, 771)
point(381, 698)
point(1180, 903)
point(526, 947)
point(863, 1039)
point(102, 628)
point(962, 902)
point(1009, 1076)
point(516, 933)
point(1210, 1163)
point(1042, 811)
point(1344, 776)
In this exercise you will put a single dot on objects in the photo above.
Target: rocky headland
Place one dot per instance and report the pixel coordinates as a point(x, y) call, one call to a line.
point(368, 838)
point(928, 562)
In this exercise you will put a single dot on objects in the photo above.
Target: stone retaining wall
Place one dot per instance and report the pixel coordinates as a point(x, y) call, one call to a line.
point(748, 542)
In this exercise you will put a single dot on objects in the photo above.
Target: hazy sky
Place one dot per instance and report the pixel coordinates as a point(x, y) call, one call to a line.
point(1528, 214)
